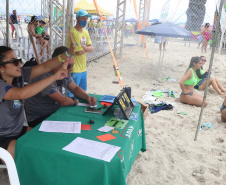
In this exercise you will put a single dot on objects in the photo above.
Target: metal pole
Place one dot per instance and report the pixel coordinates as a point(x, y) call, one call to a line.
point(222, 36)
point(123, 29)
point(7, 24)
point(50, 25)
point(210, 67)
point(63, 24)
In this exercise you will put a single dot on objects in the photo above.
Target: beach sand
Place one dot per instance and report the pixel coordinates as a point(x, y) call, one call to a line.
point(172, 156)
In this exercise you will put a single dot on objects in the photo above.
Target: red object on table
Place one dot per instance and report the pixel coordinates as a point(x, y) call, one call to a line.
point(105, 103)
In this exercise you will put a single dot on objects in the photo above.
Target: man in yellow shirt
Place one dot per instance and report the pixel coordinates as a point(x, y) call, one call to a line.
point(99, 26)
point(83, 44)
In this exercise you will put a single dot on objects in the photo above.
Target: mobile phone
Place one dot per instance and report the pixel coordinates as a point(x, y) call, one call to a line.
point(93, 110)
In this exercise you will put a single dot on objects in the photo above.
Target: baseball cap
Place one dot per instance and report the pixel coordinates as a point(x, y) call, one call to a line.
point(82, 12)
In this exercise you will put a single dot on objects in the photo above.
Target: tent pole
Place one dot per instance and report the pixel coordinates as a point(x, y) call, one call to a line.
point(210, 67)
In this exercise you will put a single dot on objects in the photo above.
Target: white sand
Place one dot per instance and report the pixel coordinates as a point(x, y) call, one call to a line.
point(172, 156)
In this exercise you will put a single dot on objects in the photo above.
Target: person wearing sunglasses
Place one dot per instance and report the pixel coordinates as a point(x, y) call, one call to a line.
point(46, 102)
point(37, 36)
point(202, 78)
point(13, 92)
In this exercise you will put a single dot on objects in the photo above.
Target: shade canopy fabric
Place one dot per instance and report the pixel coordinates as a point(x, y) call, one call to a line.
point(131, 20)
point(166, 29)
point(90, 8)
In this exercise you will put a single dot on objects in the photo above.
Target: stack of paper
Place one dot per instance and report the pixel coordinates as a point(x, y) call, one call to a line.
point(92, 149)
point(61, 126)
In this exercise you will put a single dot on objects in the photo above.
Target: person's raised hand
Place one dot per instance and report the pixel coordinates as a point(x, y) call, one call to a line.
point(71, 50)
point(92, 101)
point(62, 72)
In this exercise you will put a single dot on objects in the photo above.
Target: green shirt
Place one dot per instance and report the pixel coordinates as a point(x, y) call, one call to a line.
point(40, 30)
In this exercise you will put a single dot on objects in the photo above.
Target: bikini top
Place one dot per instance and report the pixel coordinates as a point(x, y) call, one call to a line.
point(191, 81)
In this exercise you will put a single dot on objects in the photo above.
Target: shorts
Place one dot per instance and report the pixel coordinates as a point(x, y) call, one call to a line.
point(4, 141)
point(80, 79)
point(222, 107)
point(12, 26)
point(200, 38)
point(190, 94)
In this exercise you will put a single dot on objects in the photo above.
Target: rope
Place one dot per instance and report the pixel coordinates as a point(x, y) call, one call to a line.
point(112, 54)
point(175, 11)
point(139, 26)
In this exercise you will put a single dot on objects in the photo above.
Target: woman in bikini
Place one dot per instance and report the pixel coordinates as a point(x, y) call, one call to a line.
point(187, 84)
point(205, 36)
point(223, 111)
point(202, 77)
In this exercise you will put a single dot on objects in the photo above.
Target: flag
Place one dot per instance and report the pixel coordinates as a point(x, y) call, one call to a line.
point(165, 11)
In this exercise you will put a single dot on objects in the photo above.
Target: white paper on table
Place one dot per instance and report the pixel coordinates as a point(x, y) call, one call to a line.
point(92, 149)
point(105, 129)
point(61, 126)
point(85, 105)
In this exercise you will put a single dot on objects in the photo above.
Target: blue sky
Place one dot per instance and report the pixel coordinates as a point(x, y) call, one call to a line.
point(176, 12)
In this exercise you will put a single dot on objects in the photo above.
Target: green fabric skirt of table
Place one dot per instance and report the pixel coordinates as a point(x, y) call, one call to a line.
point(40, 159)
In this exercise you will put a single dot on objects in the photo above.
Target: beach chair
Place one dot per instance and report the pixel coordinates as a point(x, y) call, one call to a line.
point(10, 166)
point(20, 37)
point(15, 45)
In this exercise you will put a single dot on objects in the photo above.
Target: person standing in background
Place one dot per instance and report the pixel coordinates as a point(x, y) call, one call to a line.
point(13, 20)
point(83, 44)
point(99, 26)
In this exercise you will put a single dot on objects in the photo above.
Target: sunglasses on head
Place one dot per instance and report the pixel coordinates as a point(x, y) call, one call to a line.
point(14, 61)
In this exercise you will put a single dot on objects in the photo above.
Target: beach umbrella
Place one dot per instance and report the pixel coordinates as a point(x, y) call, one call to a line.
point(131, 20)
point(166, 29)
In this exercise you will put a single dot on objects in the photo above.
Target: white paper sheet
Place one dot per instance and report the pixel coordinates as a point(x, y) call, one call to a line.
point(105, 129)
point(61, 126)
point(92, 149)
point(86, 105)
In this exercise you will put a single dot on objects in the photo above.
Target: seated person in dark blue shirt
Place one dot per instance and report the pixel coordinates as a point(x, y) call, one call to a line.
point(46, 102)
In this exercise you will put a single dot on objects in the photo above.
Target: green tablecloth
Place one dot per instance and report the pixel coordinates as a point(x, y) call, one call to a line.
point(40, 159)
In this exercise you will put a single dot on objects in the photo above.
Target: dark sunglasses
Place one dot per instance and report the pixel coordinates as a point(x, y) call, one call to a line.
point(70, 66)
point(14, 61)
point(204, 60)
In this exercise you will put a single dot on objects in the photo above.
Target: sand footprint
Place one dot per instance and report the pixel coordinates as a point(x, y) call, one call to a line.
point(219, 140)
point(198, 173)
point(215, 172)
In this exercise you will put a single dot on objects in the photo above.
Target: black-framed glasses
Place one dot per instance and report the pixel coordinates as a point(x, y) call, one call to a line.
point(14, 61)
point(204, 60)
point(70, 66)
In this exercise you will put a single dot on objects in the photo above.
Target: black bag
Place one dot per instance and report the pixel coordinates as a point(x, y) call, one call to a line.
point(31, 62)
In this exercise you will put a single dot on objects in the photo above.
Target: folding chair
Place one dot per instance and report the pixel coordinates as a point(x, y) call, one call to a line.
point(10, 165)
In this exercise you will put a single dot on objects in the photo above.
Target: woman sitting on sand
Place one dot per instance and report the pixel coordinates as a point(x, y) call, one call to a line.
point(202, 77)
point(223, 111)
point(187, 84)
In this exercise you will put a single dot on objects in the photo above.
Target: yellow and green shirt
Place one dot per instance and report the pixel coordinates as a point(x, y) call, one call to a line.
point(80, 39)
point(90, 24)
point(99, 25)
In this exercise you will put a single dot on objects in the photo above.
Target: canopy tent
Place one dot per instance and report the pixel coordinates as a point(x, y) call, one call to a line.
point(131, 20)
point(90, 8)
